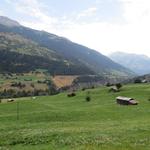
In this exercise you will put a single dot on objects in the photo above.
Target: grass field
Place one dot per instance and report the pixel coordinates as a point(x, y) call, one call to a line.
point(59, 122)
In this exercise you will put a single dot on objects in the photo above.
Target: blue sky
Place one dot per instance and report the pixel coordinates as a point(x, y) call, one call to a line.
point(81, 10)
point(104, 25)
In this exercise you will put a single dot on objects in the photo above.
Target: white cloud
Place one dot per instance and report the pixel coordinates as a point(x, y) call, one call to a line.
point(132, 36)
point(35, 10)
point(87, 13)
point(136, 10)
point(1, 13)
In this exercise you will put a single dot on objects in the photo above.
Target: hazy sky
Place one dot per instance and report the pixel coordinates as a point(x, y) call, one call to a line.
point(104, 25)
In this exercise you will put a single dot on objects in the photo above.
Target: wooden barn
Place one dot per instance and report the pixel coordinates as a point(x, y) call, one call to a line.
point(126, 101)
point(10, 100)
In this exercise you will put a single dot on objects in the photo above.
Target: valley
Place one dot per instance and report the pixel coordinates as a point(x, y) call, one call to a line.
point(56, 94)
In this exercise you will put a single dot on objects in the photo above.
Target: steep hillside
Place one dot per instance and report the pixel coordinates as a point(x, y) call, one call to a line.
point(18, 54)
point(77, 54)
point(137, 63)
point(16, 43)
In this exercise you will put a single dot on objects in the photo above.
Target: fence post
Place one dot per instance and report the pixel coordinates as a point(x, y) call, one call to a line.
point(17, 110)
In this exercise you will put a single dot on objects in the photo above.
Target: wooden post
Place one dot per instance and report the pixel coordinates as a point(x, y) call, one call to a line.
point(17, 110)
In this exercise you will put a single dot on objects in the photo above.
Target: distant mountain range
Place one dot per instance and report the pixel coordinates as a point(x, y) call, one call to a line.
point(24, 49)
point(140, 64)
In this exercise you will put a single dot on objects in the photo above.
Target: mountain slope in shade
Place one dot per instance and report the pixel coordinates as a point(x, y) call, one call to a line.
point(140, 64)
point(76, 54)
point(18, 54)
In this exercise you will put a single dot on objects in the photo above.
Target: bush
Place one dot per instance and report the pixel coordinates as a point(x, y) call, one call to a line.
point(137, 81)
point(83, 89)
point(71, 94)
point(88, 98)
point(93, 87)
point(18, 84)
point(109, 84)
point(118, 85)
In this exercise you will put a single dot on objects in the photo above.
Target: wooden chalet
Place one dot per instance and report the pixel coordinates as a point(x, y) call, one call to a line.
point(126, 101)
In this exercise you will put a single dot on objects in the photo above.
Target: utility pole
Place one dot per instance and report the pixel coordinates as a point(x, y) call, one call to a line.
point(17, 110)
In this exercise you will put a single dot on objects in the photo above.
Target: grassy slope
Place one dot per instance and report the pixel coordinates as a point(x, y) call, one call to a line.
point(58, 122)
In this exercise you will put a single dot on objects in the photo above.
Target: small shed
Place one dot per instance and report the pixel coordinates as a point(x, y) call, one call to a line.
point(113, 89)
point(126, 101)
point(144, 81)
point(10, 100)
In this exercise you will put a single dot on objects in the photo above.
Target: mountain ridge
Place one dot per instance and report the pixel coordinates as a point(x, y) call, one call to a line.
point(135, 62)
point(8, 22)
point(70, 51)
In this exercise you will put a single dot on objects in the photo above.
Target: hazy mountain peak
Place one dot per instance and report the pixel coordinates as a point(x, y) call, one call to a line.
point(129, 54)
point(8, 22)
point(135, 62)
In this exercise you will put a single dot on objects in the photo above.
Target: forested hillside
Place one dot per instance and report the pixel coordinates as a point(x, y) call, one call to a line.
point(18, 54)
point(62, 55)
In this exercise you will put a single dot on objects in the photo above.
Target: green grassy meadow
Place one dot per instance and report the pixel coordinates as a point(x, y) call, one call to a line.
point(62, 123)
